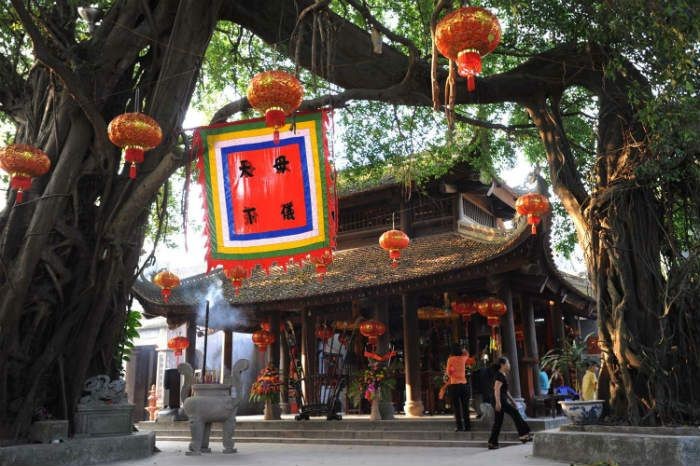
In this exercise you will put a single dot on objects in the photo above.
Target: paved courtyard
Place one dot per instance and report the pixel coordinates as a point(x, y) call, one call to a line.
point(172, 454)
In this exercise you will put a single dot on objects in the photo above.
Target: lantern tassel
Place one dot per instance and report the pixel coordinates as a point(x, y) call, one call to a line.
point(276, 136)
point(132, 171)
point(534, 229)
point(471, 83)
point(20, 196)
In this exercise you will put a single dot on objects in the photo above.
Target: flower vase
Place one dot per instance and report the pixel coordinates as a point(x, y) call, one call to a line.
point(375, 414)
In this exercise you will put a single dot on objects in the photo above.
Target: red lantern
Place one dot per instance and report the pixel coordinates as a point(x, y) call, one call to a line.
point(236, 274)
point(493, 309)
point(533, 205)
point(262, 339)
point(178, 344)
point(166, 281)
point(464, 308)
point(324, 332)
point(135, 133)
point(321, 263)
point(465, 35)
point(23, 162)
point(394, 241)
point(593, 345)
point(372, 329)
point(277, 94)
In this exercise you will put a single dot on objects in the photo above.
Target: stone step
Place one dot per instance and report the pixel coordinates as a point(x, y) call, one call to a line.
point(349, 434)
point(215, 441)
point(324, 425)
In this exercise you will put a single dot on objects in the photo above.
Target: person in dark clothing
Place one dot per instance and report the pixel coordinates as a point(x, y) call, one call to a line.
point(504, 403)
point(458, 389)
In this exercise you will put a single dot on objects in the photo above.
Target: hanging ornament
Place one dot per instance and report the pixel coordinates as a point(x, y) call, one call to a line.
point(135, 133)
point(394, 241)
point(166, 281)
point(324, 332)
point(277, 94)
point(267, 327)
point(178, 344)
point(464, 308)
point(321, 263)
point(23, 162)
point(372, 329)
point(262, 339)
point(534, 205)
point(236, 274)
point(493, 309)
point(464, 36)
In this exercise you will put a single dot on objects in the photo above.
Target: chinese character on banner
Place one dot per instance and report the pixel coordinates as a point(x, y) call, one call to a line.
point(266, 203)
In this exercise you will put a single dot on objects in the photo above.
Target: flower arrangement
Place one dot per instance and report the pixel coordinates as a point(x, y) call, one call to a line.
point(375, 381)
point(267, 386)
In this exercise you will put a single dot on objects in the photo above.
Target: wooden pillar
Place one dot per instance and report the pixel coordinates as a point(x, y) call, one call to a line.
point(274, 349)
point(414, 403)
point(191, 350)
point(557, 324)
point(308, 352)
point(510, 348)
point(531, 342)
point(284, 374)
point(227, 356)
point(381, 314)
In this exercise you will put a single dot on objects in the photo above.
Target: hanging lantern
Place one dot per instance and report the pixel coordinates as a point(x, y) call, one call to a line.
point(277, 94)
point(464, 308)
point(533, 205)
point(344, 325)
point(23, 162)
point(465, 35)
point(178, 344)
point(324, 332)
point(236, 274)
point(493, 309)
point(394, 241)
point(321, 263)
point(135, 133)
point(372, 329)
point(262, 339)
point(267, 327)
point(166, 281)
point(432, 313)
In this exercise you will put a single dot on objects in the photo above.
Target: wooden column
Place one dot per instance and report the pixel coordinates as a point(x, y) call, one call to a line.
point(284, 375)
point(531, 342)
point(226, 356)
point(308, 351)
point(414, 403)
point(190, 352)
point(510, 348)
point(381, 314)
point(557, 324)
point(274, 349)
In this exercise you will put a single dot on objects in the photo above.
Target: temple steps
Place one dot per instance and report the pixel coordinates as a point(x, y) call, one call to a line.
point(427, 432)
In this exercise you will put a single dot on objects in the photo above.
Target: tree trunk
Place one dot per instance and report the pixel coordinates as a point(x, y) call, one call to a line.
point(70, 251)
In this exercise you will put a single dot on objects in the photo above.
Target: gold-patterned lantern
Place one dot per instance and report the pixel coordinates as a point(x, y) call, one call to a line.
point(464, 36)
point(534, 205)
point(23, 162)
point(236, 274)
point(166, 281)
point(135, 133)
point(394, 241)
point(277, 94)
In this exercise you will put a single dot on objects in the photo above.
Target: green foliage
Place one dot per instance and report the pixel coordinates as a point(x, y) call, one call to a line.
point(126, 343)
point(376, 379)
point(569, 359)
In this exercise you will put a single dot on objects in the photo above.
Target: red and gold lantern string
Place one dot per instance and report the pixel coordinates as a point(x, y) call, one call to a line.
point(372, 329)
point(262, 339)
point(23, 162)
point(534, 205)
point(493, 309)
point(464, 36)
point(321, 262)
point(166, 281)
point(236, 274)
point(276, 94)
point(135, 133)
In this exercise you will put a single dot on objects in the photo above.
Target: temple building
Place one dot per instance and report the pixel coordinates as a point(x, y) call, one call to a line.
point(466, 243)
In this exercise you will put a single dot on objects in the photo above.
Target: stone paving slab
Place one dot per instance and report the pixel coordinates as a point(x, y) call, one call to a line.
point(252, 454)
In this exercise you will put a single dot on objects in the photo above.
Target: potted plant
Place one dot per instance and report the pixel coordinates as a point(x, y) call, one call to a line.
point(572, 360)
point(266, 388)
point(373, 384)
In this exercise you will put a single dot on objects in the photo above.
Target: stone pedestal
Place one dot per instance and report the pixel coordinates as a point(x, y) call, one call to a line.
point(272, 411)
point(210, 403)
point(103, 420)
point(413, 408)
point(48, 431)
point(386, 410)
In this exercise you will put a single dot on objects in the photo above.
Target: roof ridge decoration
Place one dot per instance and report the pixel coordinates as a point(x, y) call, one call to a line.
point(266, 203)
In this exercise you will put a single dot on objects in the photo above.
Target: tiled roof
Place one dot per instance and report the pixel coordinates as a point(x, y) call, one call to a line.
point(352, 269)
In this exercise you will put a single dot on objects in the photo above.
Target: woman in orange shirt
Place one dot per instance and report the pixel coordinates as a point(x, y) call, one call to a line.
point(458, 390)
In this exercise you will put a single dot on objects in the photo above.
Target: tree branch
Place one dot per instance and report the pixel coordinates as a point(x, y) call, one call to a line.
point(511, 129)
point(72, 82)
